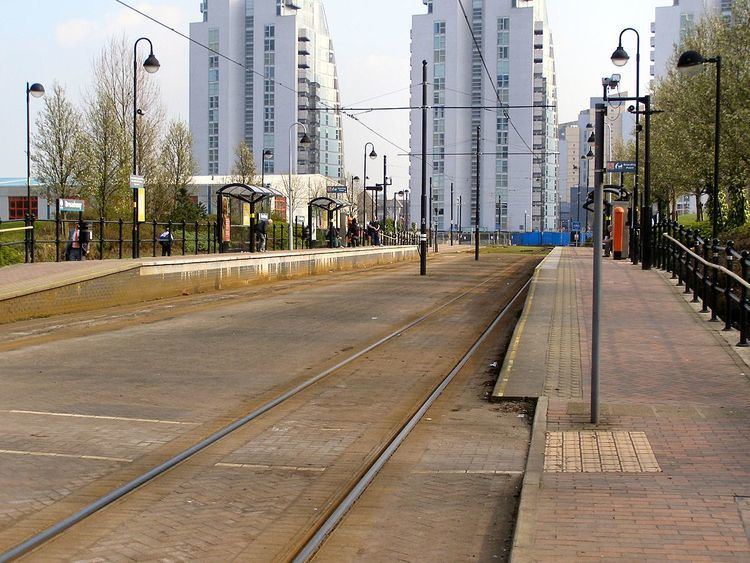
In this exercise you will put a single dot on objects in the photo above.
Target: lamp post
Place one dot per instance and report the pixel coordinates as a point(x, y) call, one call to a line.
point(451, 213)
point(689, 63)
point(355, 180)
point(37, 91)
point(372, 155)
point(150, 65)
point(620, 58)
point(305, 140)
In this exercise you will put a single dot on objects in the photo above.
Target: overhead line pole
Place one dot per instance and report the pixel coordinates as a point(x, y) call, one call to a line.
point(423, 225)
point(476, 226)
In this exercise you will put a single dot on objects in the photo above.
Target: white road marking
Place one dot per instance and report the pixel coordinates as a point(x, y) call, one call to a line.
point(71, 456)
point(100, 417)
point(466, 472)
point(268, 467)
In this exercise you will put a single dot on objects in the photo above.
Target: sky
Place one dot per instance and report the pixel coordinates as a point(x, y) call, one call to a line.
point(51, 40)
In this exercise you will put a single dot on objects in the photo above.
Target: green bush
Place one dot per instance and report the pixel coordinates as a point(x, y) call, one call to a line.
point(10, 255)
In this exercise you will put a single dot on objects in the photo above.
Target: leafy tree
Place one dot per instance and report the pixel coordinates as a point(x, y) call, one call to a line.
point(243, 171)
point(176, 167)
point(683, 136)
point(58, 154)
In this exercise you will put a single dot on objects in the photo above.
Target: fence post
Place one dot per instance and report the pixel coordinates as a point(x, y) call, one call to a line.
point(153, 237)
point(195, 235)
point(706, 283)
point(57, 235)
point(33, 238)
point(101, 237)
point(714, 280)
point(743, 300)
point(728, 287)
point(678, 257)
point(695, 266)
point(183, 237)
point(119, 252)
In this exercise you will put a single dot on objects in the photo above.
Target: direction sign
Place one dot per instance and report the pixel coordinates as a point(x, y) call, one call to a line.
point(621, 167)
point(576, 226)
point(336, 189)
point(136, 182)
point(74, 205)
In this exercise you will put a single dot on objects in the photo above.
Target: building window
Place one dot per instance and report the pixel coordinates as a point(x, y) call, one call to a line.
point(213, 102)
point(17, 207)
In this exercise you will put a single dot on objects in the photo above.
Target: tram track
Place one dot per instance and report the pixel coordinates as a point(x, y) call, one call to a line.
point(139, 482)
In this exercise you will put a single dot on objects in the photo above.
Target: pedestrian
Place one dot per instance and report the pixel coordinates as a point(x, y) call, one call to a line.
point(74, 249)
point(261, 230)
point(608, 242)
point(165, 240)
point(376, 233)
point(305, 236)
point(354, 232)
point(332, 236)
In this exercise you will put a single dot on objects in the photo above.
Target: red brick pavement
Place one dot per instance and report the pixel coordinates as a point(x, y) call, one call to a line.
point(666, 372)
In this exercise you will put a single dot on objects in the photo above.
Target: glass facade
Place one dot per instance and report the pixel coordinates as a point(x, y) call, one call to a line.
point(213, 101)
point(269, 93)
point(503, 93)
point(438, 126)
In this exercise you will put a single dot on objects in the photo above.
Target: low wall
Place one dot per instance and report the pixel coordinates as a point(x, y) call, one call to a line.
point(158, 279)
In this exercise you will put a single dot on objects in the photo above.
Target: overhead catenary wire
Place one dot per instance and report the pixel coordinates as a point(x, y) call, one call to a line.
point(276, 82)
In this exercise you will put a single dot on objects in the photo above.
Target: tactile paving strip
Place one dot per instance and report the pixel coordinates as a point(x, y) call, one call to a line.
point(599, 452)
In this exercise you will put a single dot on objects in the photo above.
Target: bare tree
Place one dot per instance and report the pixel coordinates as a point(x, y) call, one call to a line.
point(243, 171)
point(58, 150)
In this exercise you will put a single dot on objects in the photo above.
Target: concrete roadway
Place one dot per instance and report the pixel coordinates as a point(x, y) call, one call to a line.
point(89, 404)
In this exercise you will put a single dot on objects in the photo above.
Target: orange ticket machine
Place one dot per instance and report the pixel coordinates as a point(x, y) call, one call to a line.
point(618, 232)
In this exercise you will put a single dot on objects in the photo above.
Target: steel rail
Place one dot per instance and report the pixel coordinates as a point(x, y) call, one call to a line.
point(317, 540)
point(705, 262)
point(56, 529)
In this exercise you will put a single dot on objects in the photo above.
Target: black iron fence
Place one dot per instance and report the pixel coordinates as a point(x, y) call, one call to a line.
point(43, 240)
point(718, 276)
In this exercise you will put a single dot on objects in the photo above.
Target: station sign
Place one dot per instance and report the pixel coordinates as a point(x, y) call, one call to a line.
point(336, 189)
point(71, 205)
point(621, 167)
point(136, 182)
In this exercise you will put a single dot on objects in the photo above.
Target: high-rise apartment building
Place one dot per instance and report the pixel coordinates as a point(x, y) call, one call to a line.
point(671, 23)
point(518, 166)
point(278, 67)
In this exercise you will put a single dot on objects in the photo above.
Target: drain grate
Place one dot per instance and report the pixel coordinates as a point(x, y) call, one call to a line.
point(599, 452)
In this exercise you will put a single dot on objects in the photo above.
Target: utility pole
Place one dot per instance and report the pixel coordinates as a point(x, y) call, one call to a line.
point(451, 213)
point(429, 213)
point(601, 112)
point(385, 191)
point(423, 225)
point(476, 226)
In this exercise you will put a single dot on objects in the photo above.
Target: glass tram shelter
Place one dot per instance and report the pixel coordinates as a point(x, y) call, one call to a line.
point(249, 197)
point(322, 204)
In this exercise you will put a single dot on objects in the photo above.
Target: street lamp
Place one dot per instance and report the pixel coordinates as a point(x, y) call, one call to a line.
point(620, 58)
point(689, 63)
point(37, 91)
point(150, 65)
point(373, 155)
point(305, 140)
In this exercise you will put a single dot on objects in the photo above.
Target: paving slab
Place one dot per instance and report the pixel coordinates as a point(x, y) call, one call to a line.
point(666, 473)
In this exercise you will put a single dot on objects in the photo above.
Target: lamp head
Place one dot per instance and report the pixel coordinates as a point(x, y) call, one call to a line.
point(305, 140)
point(589, 127)
point(620, 57)
point(151, 64)
point(373, 155)
point(36, 90)
point(592, 138)
point(590, 154)
point(690, 63)
point(267, 153)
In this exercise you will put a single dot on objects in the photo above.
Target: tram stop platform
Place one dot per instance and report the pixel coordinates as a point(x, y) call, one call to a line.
point(51, 288)
point(665, 475)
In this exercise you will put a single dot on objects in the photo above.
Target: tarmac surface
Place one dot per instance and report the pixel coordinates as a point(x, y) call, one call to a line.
point(666, 473)
point(89, 403)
